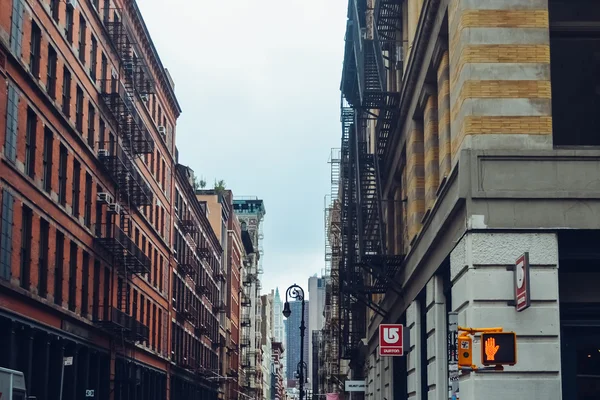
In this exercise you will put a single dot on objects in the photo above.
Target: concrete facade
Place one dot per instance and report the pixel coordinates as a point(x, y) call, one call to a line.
point(475, 176)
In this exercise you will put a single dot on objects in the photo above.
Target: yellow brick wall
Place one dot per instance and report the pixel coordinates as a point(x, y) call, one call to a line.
point(415, 171)
point(470, 45)
point(431, 150)
point(444, 139)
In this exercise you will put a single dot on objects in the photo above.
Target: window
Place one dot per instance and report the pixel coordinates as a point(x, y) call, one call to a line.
point(98, 213)
point(30, 143)
point(12, 121)
point(82, 34)
point(142, 302)
point(159, 331)
point(69, 24)
point(153, 328)
point(51, 72)
point(154, 107)
point(148, 312)
point(73, 276)
point(43, 261)
point(103, 73)
point(106, 10)
point(85, 284)
point(106, 296)
point(6, 235)
point(27, 218)
point(96, 4)
point(160, 275)
point(16, 28)
point(87, 212)
point(162, 221)
point(101, 134)
point(91, 125)
point(34, 50)
point(66, 92)
point(62, 175)
point(96, 289)
point(76, 187)
point(93, 59)
point(79, 110)
point(135, 304)
point(54, 4)
point(58, 267)
point(162, 175)
point(47, 159)
point(155, 268)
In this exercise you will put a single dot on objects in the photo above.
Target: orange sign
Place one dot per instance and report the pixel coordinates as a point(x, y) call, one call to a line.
point(499, 348)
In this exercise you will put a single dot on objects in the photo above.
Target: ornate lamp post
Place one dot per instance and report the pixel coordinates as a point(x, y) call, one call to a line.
point(296, 292)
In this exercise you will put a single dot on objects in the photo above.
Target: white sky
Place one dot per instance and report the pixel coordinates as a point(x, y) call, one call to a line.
point(258, 82)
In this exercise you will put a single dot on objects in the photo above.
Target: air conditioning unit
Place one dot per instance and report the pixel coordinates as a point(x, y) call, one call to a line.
point(103, 153)
point(104, 197)
point(162, 130)
point(72, 3)
point(114, 208)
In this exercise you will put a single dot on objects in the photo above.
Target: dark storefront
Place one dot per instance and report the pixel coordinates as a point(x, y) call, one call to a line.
point(188, 386)
point(39, 352)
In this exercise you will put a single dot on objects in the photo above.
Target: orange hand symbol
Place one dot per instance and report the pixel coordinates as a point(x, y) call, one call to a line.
point(491, 349)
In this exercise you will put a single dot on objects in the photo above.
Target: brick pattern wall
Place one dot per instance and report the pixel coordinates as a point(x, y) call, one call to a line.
point(499, 75)
point(443, 85)
point(415, 173)
point(82, 147)
point(431, 148)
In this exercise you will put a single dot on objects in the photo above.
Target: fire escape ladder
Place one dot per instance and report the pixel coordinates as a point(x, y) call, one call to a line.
point(137, 83)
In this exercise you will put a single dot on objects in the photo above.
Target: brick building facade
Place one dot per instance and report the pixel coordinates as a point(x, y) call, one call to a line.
point(196, 341)
point(87, 154)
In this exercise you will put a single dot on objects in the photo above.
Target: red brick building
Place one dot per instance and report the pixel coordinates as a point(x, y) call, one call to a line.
point(86, 166)
point(226, 226)
point(234, 269)
point(196, 341)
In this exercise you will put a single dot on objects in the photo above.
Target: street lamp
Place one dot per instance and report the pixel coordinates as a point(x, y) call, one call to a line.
point(296, 292)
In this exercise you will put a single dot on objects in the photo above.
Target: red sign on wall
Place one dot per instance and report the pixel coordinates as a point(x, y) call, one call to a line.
point(391, 340)
point(522, 289)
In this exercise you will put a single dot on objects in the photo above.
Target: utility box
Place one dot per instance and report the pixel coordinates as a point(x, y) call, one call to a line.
point(12, 385)
point(465, 351)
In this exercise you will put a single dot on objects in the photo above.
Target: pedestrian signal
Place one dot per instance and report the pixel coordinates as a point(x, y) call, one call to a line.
point(499, 348)
point(465, 353)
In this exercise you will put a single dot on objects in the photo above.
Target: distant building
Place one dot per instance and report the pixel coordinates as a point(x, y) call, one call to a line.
point(278, 325)
point(250, 212)
point(293, 338)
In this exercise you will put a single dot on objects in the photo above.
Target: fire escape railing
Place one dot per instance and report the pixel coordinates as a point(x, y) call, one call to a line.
point(137, 71)
point(365, 267)
point(188, 265)
point(126, 255)
point(122, 326)
point(131, 128)
point(131, 185)
point(120, 95)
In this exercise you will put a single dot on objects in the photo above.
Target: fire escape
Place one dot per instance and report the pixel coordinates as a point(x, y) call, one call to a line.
point(120, 95)
point(370, 104)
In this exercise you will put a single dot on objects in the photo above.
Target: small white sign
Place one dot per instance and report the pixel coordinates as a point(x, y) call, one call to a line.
point(68, 361)
point(89, 393)
point(356, 386)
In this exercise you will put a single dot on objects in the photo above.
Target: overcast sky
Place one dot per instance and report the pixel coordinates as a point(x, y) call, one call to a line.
point(258, 82)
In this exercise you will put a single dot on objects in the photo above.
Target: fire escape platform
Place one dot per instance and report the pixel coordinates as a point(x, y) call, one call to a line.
point(125, 252)
point(130, 182)
point(122, 326)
